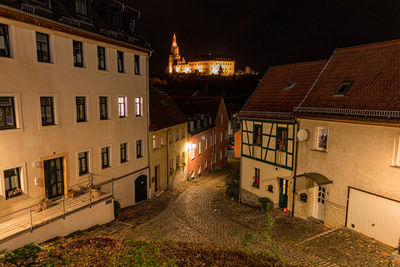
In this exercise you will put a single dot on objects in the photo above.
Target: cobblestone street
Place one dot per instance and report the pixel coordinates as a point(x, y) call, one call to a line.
point(199, 212)
point(202, 214)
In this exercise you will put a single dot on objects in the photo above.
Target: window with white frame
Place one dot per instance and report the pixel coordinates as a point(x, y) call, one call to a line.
point(12, 182)
point(47, 110)
point(139, 106)
point(139, 149)
point(105, 157)
point(80, 102)
point(123, 151)
point(396, 152)
point(103, 101)
point(154, 142)
point(4, 41)
point(322, 139)
point(192, 151)
point(176, 134)
point(206, 145)
point(183, 133)
point(83, 163)
point(137, 64)
point(7, 113)
point(205, 164)
point(162, 140)
point(122, 109)
point(199, 147)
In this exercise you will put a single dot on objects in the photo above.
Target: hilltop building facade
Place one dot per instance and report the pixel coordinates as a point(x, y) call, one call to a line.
point(203, 64)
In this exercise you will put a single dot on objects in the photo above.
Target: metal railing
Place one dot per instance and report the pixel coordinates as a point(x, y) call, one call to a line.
point(353, 112)
point(77, 197)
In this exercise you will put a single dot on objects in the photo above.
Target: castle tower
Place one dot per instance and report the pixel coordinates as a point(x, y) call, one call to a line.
point(174, 57)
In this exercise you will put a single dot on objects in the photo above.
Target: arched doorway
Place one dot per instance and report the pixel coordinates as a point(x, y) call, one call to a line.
point(140, 188)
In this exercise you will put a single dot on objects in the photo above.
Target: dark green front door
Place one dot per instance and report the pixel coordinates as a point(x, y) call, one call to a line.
point(283, 193)
point(141, 188)
point(54, 178)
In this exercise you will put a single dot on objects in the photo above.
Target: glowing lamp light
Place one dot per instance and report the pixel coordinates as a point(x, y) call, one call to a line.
point(186, 69)
point(178, 69)
point(215, 69)
point(170, 69)
point(187, 147)
point(199, 68)
point(193, 146)
point(285, 210)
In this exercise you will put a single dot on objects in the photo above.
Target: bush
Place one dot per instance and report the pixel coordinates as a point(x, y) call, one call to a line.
point(25, 256)
point(265, 203)
point(117, 208)
point(232, 182)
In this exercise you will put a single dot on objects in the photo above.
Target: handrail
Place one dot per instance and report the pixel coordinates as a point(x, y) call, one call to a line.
point(345, 111)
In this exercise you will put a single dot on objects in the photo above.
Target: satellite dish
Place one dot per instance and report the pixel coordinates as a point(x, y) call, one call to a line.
point(302, 135)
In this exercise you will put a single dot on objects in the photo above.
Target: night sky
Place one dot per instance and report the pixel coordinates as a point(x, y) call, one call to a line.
point(260, 33)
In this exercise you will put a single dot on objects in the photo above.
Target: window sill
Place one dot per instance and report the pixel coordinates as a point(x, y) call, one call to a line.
point(317, 150)
point(395, 166)
point(105, 168)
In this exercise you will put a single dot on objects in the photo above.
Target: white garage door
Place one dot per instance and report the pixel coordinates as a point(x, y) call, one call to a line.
point(374, 216)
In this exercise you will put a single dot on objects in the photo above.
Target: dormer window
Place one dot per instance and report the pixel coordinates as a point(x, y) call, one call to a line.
point(132, 25)
point(290, 85)
point(343, 88)
point(115, 18)
point(81, 7)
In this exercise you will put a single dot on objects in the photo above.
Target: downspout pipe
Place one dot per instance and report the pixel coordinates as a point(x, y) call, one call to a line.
point(295, 166)
point(167, 157)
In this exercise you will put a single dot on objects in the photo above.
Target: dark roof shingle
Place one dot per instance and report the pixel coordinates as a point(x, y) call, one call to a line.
point(163, 111)
point(271, 96)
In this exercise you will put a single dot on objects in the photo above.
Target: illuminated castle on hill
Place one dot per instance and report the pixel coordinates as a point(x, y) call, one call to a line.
point(203, 64)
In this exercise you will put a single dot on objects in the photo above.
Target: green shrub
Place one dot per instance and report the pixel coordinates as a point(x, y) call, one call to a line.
point(25, 256)
point(232, 182)
point(265, 203)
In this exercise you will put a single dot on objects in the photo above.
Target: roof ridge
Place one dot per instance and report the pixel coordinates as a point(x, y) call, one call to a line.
point(375, 44)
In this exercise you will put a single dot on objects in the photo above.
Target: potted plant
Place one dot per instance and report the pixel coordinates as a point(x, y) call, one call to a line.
point(95, 190)
point(43, 203)
point(15, 192)
point(72, 193)
point(396, 254)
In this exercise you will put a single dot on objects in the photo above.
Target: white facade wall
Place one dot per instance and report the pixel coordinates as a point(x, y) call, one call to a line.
point(357, 155)
point(27, 79)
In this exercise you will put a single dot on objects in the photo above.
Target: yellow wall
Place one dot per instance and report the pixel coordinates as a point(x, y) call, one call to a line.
point(158, 156)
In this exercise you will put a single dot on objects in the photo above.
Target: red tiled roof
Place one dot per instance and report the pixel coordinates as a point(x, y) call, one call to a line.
point(270, 95)
point(163, 111)
point(374, 70)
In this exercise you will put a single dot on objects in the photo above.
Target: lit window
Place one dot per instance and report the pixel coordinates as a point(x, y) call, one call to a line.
point(4, 42)
point(12, 182)
point(343, 88)
point(139, 106)
point(122, 106)
point(322, 138)
point(199, 147)
point(154, 142)
point(205, 164)
point(162, 140)
point(83, 163)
